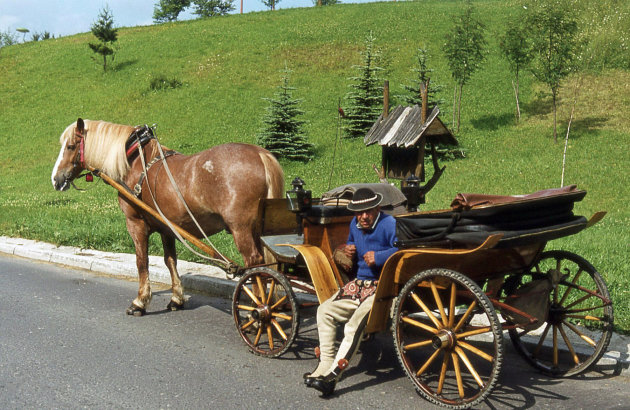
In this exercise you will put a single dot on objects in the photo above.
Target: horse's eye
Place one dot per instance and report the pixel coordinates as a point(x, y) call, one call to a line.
point(71, 147)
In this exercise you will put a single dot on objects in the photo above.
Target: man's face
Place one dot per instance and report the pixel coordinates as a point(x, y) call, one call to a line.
point(366, 218)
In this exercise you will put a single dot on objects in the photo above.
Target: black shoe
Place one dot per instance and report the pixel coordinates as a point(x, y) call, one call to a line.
point(326, 385)
point(308, 379)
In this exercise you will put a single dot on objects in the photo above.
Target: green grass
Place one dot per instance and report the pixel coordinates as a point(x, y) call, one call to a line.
point(227, 65)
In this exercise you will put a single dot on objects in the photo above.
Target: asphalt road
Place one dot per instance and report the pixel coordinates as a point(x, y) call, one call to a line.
point(66, 342)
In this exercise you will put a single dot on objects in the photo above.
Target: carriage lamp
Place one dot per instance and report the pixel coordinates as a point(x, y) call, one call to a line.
point(412, 192)
point(299, 200)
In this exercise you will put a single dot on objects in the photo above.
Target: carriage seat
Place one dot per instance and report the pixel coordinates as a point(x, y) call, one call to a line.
point(284, 254)
point(537, 217)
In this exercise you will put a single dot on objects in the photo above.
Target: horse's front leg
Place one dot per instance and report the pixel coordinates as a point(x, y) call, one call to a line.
point(170, 260)
point(140, 235)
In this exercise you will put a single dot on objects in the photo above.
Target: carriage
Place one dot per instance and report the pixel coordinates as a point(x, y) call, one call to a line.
point(460, 278)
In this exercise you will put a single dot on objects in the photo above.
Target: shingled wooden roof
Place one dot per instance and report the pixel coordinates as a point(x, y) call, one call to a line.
point(403, 128)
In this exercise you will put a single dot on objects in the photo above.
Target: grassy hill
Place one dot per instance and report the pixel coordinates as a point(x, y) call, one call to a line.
point(228, 64)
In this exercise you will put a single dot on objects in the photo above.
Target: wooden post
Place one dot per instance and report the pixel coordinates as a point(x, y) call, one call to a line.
point(386, 99)
point(424, 94)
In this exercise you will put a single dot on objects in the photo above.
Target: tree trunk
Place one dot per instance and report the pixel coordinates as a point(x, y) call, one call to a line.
point(104, 62)
point(518, 107)
point(454, 104)
point(555, 117)
point(459, 104)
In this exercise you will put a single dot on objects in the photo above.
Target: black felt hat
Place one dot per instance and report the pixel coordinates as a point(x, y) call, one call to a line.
point(364, 199)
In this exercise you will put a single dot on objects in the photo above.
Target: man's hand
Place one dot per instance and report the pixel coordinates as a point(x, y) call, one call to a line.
point(369, 258)
point(350, 251)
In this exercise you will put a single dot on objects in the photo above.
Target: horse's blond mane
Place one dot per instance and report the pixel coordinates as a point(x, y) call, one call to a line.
point(104, 146)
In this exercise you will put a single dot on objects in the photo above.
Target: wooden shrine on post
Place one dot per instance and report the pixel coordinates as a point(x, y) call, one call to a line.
point(404, 134)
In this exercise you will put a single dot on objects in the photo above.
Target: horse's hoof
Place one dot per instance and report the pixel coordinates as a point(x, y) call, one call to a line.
point(135, 311)
point(173, 306)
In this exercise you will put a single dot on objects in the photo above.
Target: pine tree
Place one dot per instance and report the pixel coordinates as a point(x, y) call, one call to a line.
point(103, 29)
point(365, 101)
point(422, 74)
point(283, 134)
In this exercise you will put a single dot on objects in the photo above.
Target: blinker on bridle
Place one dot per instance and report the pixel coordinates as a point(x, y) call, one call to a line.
point(79, 160)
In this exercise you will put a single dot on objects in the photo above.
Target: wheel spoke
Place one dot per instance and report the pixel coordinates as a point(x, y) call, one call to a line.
point(469, 365)
point(587, 317)
point(248, 324)
point(543, 336)
point(577, 332)
point(279, 329)
point(476, 351)
point(577, 302)
point(463, 319)
point(258, 336)
point(261, 289)
point(426, 310)
point(555, 346)
point(473, 332)
point(428, 362)
point(438, 302)
point(570, 288)
point(576, 360)
point(270, 336)
point(251, 295)
point(271, 289)
point(420, 325)
point(245, 307)
point(278, 303)
point(451, 306)
point(416, 345)
point(458, 375)
point(447, 358)
point(282, 316)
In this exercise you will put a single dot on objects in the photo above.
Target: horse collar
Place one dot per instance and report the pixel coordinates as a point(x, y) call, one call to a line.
point(138, 138)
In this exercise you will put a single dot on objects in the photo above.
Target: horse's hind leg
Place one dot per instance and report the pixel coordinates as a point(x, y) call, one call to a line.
point(246, 244)
point(170, 260)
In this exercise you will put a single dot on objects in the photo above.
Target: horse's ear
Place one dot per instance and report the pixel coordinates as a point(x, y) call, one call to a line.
point(80, 126)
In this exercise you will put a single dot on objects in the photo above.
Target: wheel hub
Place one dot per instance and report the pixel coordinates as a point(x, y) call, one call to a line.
point(444, 339)
point(261, 313)
point(556, 314)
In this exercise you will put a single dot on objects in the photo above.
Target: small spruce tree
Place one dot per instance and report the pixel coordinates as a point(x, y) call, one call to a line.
point(282, 134)
point(422, 74)
point(364, 102)
point(103, 29)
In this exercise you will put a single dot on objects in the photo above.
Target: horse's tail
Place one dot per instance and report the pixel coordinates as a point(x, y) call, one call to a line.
point(273, 175)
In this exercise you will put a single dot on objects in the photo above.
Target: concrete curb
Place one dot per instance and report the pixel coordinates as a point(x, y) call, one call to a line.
point(196, 277)
point(207, 279)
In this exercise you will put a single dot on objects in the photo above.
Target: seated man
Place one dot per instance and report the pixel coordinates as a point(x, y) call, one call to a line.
point(370, 244)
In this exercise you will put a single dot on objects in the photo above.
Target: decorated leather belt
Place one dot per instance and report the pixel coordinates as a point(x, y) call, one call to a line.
point(357, 289)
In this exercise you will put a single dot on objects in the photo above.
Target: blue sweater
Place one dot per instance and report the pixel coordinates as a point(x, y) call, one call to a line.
point(380, 240)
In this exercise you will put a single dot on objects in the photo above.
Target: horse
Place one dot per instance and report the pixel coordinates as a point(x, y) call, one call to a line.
point(222, 187)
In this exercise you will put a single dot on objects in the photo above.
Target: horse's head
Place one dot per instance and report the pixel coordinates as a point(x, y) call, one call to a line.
point(70, 160)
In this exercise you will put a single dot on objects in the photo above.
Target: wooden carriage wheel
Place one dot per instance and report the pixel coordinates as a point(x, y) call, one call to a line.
point(265, 312)
point(448, 338)
point(579, 322)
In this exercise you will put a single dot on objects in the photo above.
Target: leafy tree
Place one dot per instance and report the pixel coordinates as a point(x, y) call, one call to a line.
point(365, 100)
point(554, 35)
point(103, 29)
point(517, 48)
point(464, 50)
point(211, 8)
point(270, 3)
point(168, 10)
point(283, 134)
point(422, 75)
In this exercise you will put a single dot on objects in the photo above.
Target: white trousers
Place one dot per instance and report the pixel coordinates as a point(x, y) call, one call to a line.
point(330, 315)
